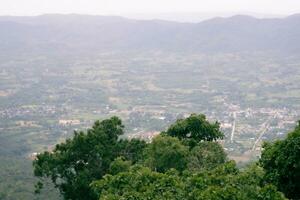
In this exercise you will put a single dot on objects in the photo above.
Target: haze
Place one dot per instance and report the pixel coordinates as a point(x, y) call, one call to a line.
point(153, 8)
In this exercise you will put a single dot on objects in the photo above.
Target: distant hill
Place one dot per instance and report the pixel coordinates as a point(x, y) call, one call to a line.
point(100, 33)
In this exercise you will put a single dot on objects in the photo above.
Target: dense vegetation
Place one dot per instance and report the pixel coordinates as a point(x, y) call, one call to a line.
point(223, 182)
point(184, 162)
point(281, 161)
point(73, 165)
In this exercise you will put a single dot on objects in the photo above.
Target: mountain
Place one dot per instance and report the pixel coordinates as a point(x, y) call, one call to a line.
point(81, 33)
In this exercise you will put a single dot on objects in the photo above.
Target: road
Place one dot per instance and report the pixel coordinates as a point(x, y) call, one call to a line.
point(266, 126)
point(233, 127)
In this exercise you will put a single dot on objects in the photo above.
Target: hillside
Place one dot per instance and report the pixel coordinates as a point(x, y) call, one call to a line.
point(60, 73)
point(99, 33)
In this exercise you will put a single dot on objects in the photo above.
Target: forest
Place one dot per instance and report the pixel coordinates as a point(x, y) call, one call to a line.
point(186, 161)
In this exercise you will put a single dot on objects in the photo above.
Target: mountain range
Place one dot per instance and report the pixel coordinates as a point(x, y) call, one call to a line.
point(85, 33)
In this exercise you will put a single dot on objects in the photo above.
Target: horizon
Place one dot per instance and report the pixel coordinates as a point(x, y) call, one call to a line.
point(174, 10)
point(182, 17)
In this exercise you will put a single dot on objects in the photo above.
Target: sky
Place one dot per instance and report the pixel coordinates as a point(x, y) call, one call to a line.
point(121, 7)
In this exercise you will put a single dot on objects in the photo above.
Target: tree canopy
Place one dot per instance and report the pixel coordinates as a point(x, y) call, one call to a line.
point(196, 128)
point(185, 162)
point(281, 161)
point(206, 155)
point(164, 153)
point(74, 164)
point(225, 182)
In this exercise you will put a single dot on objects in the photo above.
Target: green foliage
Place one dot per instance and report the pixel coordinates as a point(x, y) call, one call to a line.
point(164, 153)
point(206, 155)
point(119, 165)
point(195, 128)
point(131, 149)
point(281, 161)
point(223, 183)
point(191, 166)
point(140, 183)
point(73, 165)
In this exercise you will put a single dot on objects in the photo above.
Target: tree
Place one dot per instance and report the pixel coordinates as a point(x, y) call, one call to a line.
point(281, 161)
point(74, 164)
point(119, 165)
point(225, 182)
point(131, 150)
point(195, 128)
point(140, 183)
point(206, 155)
point(97, 164)
point(164, 153)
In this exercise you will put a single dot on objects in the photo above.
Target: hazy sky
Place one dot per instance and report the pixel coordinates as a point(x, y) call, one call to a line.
point(116, 7)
